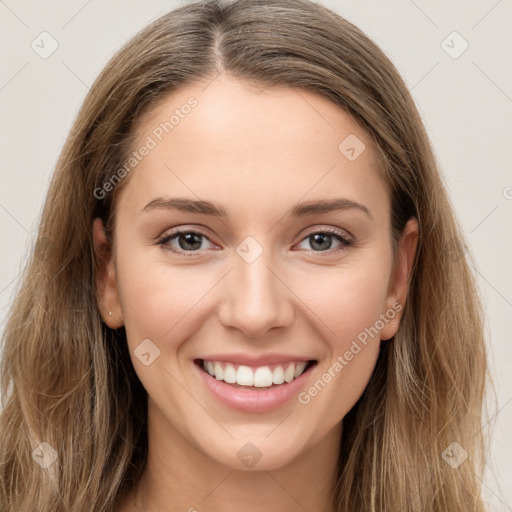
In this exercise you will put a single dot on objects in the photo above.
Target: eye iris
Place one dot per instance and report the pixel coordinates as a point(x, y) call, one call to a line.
point(192, 241)
point(322, 237)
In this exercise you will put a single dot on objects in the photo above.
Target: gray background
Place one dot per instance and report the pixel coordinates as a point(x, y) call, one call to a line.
point(466, 104)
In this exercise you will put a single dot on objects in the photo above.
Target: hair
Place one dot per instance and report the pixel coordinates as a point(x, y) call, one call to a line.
point(67, 378)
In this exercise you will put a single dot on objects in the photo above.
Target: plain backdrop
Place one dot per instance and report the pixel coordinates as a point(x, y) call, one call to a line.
point(454, 56)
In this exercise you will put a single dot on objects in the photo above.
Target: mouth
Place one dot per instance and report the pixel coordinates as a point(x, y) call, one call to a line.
point(255, 378)
point(254, 389)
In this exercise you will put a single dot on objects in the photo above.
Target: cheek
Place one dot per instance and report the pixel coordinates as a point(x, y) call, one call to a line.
point(339, 302)
point(349, 309)
point(347, 299)
point(156, 307)
point(159, 299)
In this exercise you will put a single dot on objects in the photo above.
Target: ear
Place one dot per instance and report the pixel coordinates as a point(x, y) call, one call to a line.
point(399, 282)
point(105, 279)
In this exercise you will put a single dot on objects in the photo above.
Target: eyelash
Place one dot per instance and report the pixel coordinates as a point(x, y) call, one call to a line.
point(346, 242)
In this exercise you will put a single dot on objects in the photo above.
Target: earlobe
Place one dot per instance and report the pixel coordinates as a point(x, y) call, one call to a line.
point(399, 283)
point(105, 278)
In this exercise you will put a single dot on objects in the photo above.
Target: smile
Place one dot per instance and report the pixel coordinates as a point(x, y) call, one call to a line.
point(259, 377)
point(254, 388)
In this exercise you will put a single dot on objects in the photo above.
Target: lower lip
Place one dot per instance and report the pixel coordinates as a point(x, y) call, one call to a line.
point(248, 400)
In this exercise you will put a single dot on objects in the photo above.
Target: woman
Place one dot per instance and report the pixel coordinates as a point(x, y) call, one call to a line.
point(319, 346)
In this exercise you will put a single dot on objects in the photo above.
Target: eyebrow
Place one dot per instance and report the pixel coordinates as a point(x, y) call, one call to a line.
point(209, 208)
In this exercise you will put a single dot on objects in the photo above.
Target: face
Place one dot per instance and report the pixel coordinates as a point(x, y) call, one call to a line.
point(291, 263)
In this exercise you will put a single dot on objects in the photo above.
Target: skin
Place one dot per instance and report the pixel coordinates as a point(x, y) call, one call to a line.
point(257, 153)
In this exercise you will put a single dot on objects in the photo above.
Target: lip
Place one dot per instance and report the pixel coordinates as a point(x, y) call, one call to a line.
point(257, 401)
point(262, 360)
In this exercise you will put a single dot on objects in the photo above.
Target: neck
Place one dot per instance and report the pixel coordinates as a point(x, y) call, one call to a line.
point(179, 478)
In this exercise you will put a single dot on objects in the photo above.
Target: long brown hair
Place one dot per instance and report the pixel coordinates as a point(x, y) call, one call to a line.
point(68, 386)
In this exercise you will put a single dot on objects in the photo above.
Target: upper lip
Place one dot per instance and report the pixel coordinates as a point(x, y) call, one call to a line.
point(251, 360)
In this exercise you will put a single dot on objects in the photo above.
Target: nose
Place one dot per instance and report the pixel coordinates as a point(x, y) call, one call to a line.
point(255, 296)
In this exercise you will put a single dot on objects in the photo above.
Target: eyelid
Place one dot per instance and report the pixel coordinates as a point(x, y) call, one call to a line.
point(331, 230)
point(336, 232)
point(315, 229)
point(162, 239)
point(345, 241)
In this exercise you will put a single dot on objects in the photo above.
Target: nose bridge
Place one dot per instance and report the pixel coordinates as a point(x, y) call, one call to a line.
point(256, 299)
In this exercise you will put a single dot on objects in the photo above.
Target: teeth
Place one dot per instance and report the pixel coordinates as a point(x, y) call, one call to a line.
point(289, 374)
point(244, 376)
point(230, 374)
point(260, 377)
point(219, 372)
point(278, 375)
point(263, 377)
point(300, 368)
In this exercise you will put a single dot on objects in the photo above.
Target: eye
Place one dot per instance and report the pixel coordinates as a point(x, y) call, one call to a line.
point(321, 240)
point(189, 242)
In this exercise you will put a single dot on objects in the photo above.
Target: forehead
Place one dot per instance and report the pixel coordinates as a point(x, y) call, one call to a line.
point(241, 146)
